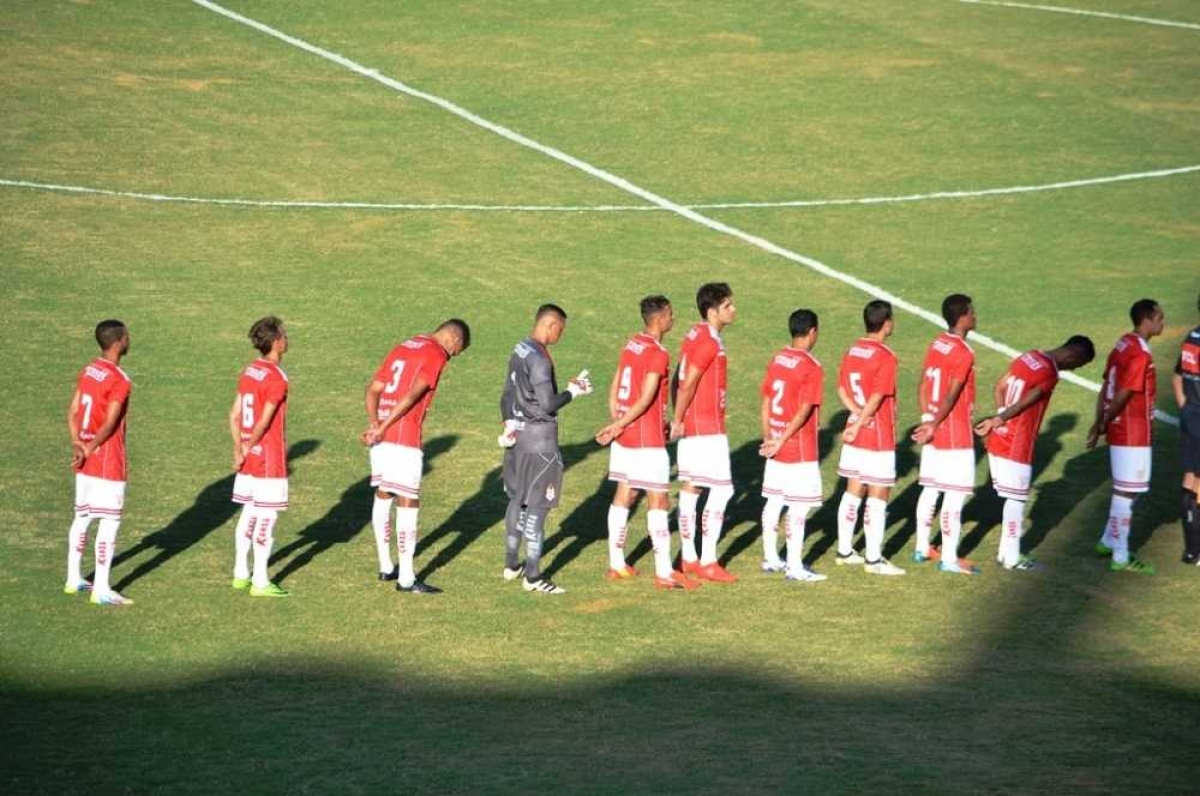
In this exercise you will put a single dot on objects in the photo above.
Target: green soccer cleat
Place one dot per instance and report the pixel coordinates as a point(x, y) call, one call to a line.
point(241, 584)
point(79, 587)
point(110, 598)
point(270, 590)
point(1134, 565)
point(1102, 549)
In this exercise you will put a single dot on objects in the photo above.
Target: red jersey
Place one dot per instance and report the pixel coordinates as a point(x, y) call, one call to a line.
point(419, 356)
point(261, 383)
point(794, 378)
point(704, 350)
point(100, 383)
point(1015, 438)
point(948, 359)
point(641, 356)
point(1130, 367)
point(867, 368)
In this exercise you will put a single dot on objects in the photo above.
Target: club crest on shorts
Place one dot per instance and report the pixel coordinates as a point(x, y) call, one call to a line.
point(550, 493)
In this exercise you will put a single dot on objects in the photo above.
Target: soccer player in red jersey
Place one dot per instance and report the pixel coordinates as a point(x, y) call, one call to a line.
point(258, 426)
point(867, 388)
point(699, 425)
point(1125, 416)
point(946, 395)
point(397, 400)
point(637, 405)
point(1186, 384)
point(96, 421)
point(791, 417)
point(1022, 395)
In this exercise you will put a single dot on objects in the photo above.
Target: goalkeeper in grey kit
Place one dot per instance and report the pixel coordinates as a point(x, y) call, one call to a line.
point(533, 465)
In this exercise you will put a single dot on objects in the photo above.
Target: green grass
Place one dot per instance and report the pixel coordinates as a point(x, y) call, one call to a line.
point(1071, 678)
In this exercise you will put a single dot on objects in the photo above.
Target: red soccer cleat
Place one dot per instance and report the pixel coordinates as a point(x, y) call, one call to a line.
point(676, 582)
point(690, 568)
point(624, 573)
point(935, 554)
point(717, 573)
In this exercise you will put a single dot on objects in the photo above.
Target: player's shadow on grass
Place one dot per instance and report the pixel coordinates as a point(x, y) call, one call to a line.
point(587, 523)
point(343, 521)
point(211, 509)
point(468, 522)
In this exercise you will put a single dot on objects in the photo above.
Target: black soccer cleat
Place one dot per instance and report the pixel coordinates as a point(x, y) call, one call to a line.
point(419, 587)
point(393, 575)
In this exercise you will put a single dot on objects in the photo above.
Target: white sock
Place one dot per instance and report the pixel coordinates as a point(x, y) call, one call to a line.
point(1120, 515)
point(660, 536)
point(874, 523)
point(243, 539)
point(406, 544)
point(770, 528)
point(952, 506)
point(618, 519)
point(714, 518)
point(1010, 541)
point(76, 544)
point(687, 524)
point(847, 520)
point(381, 523)
point(264, 528)
point(797, 516)
point(926, 508)
point(106, 548)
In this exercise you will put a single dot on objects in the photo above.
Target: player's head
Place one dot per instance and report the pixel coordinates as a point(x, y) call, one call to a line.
point(1147, 317)
point(877, 317)
point(657, 312)
point(958, 312)
point(454, 336)
point(549, 323)
point(1075, 353)
point(268, 334)
point(112, 333)
point(715, 302)
point(802, 324)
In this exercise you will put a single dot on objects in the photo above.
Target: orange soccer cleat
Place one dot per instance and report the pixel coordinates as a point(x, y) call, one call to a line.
point(625, 573)
point(935, 554)
point(717, 573)
point(676, 582)
point(692, 568)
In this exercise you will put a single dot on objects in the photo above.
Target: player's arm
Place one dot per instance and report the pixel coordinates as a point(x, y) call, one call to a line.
point(874, 401)
point(371, 400)
point(415, 393)
point(116, 411)
point(73, 428)
point(645, 400)
point(613, 406)
point(235, 431)
point(1006, 413)
point(1177, 383)
point(852, 406)
point(770, 447)
point(926, 430)
point(1105, 416)
point(260, 428)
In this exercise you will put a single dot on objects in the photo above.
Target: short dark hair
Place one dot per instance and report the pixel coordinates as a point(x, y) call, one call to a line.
point(264, 332)
point(460, 326)
point(954, 307)
point(876, 314)
point(801, 322)
point(1083, 345)
point(108, 333)
point(652, 305)
point(710, 295)
point(549, 309)
point(1141, 310)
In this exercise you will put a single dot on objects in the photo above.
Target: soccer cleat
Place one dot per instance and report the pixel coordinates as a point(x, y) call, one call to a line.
point(850, 558)
point(1024, 564)
point(270, 590)
point(240, 584)
point(882, 567)
point(512, 573)
point(1102, 549)
point(805, 575)
point(957, 568)
point(110, 598)
point(419, 587)
point(1133, 565)
point(1191, 559)
point(625, 573)
point(773, 567)
point(677, 581)
point(542, 586)
point(393, 575)
point(716, 573)
point(920, 558)
point(78, 587)
point(690, 568)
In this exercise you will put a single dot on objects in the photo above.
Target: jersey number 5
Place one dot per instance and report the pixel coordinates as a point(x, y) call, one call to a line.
point(625, 386)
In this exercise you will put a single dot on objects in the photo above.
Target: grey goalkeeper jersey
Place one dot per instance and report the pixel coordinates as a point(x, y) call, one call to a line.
point(531, 397)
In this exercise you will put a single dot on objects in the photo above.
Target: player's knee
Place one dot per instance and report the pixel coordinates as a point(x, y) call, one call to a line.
point(382, 495)
point(719, 496)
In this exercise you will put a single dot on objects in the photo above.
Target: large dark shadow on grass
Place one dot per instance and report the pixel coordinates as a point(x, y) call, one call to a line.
point(211, 509)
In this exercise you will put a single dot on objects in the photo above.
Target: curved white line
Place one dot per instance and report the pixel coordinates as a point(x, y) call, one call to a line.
point(1084, 13)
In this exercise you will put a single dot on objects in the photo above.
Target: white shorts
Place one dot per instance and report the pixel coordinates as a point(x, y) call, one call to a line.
point(264, 493)
point(950, 470)
point(704, 460)
point(870, 467)
point(99, 497)
point(640, 468)
point(1011, 479)
point(397, 469)
point(1130, 468)
point(795, 482)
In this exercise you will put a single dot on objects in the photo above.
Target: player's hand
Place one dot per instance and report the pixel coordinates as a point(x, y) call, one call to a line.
point(239, 457)
point(580, 385)
point(922, 433)
point(508, 437)
point(851, 432)
point(370, 436)
point(676, 431)
point(769, 448)
point(1093, 436)
point(985, 427)
point(79, 454)
point(608, 433)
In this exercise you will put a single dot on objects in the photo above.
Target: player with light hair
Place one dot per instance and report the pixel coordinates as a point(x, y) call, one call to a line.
point(1186, 384)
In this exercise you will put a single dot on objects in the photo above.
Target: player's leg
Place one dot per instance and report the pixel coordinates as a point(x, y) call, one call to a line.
point(797, 519)
point(951, 527)
point(879, 473)
point(689, 498)
point(106, 543)
point(407, 511)
point(848, 508)
point(618, 529)
point(926, 503)
point(713, 521)
point(381, 509)
point(1131, 478)
point(718, 475)
point(544, 481)
point(1012, 529)
point(1190, 516)
point(772, 490)
point(243, 531)
point(270, 498)
point(514, 516)
point(107, 502)
point(77, 539)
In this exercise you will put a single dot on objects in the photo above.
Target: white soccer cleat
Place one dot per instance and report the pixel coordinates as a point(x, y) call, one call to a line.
point(851, 558)
point(110, 598)
point(772, 567)
point(513, 574)
point(882, 567)
point(542, 586)
point(805, 575)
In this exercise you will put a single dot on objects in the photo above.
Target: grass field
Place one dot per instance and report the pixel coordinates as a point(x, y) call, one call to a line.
point(1070, 678)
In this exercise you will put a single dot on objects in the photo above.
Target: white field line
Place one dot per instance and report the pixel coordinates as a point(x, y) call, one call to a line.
point(629, 187)
point(354, 205)
point(1084, 13)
